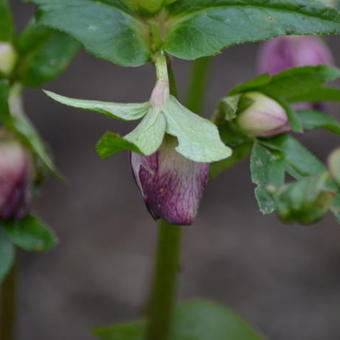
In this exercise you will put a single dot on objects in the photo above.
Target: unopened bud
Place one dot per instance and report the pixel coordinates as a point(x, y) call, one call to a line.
point(285, 52)
point(171, 185)
point(334, 165)
point(8, 58)
point(15, 179)
point(264, 117)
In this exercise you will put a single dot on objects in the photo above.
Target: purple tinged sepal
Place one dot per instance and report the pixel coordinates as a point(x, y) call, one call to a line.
point(15, 179)
point(263, 117)
point(171, 185)
point(8, 58)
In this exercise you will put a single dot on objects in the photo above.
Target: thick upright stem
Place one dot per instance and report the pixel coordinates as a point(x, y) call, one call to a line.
point(163, 297)
point(197, 84)
point(8, 306)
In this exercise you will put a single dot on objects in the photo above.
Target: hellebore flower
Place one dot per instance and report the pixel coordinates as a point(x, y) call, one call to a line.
point(15, 179)
point(285, 52)
point(171, 185)
point(264, 117)
point(8, 58)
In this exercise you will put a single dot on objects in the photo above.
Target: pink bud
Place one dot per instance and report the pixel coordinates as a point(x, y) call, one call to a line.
point(8, 58)
point(15, 179)
point(264, 117)
point(171, 185)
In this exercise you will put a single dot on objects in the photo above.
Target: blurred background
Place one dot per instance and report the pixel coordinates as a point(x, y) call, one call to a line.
point(283, 279)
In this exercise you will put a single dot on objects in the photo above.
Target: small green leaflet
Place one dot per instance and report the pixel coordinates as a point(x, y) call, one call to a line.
point(315, 120)
point(106, 29)
point(300, 162)
point(44, 54)
point(193, 320)
point(198, 138)
point(267, 168)
point(29, 234)
point(6, 255)
point(315, 95)
point(111, 143)
point(6, 22)
point(113, 110)
point(204, 27)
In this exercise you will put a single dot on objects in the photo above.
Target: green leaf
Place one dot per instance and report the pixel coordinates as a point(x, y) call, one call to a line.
point(6, 22)
point(293, 84)
point(44, 54)
point(30, 234)
point(111, 143)
point(229, 106)
point(6, 255)
point(113, 110)
point(198, 138)
point(267, 169)
point(106, 29)
point(315, 120)
point(336, 207)
point(305, 201)
point(193, 320)
point(334, 166)
point(204, 27)
point(293, 118)
point(148, 135)
point(239, 153)
point(300, 162)
point(319, 94)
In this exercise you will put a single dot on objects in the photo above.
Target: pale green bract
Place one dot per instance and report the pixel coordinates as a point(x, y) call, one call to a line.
point(115, 110)
point(149, 134)
point(198, 138)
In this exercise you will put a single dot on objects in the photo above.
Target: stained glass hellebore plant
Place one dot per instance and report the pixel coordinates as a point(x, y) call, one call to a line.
point(173, 151)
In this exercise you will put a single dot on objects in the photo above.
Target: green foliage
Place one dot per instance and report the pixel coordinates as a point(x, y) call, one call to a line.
point(6, 255)
point(6, 22)
point(267, 168)
point(111, 143)
point(204, 27)
point(44, 54)
point(29, 234)
point(313, 120)
point(305, 201)
point(194, 320)
point(107, 29)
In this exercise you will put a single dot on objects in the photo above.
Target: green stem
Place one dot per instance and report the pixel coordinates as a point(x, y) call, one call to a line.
point(198, 84)
point(163, 296)
point(8, 306)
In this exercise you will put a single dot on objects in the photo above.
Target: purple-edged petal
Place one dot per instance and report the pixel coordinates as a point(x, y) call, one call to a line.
point(171, 185)
point(15, 178)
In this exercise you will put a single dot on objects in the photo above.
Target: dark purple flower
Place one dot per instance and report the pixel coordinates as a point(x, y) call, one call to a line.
point(264, 117)
point(15, 180)
point(171, 185)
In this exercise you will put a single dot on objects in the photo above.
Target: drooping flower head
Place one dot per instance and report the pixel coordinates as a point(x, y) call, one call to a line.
point(171, 185)
point(15, 179)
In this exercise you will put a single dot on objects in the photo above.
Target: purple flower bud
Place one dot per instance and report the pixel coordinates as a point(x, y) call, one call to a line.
point(8, 58)
point(264, 117)
point(15, 180)
point(285, 52)
point(171, 185)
